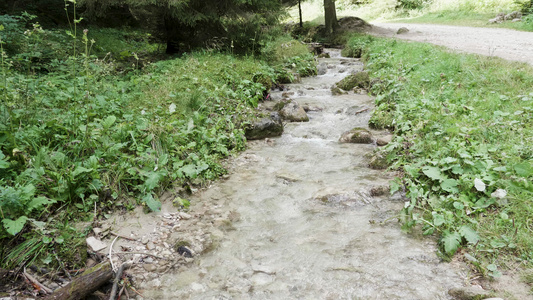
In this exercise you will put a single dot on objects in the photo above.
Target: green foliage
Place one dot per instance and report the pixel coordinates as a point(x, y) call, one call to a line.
point(289, 57)
point(79, 134)
point(462, 145)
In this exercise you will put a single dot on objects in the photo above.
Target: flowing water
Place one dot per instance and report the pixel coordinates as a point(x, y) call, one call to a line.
point(309, 227)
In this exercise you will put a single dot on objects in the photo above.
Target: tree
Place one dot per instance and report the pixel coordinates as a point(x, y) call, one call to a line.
point(330, 16)
point(186, 24)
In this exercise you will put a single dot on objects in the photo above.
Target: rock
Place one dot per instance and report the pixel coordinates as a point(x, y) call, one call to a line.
point(336, 91)
point(377, 191)
point(259, 279)
point(513, 15)
point(322, 69)
point(402, 30)
point(293, 112)
point(357, 135)
point(498, 19)
point(468, 293)
point(184, 215)
point(266, 127)
point(378, 162)
point(359, 79)
point(145, 240)
point(287, 94)
point(150, 267)
point(150, 246)
point(323, 55)
point(384, 140)
point(514, 21)
point(95, 244)
point(353, 23)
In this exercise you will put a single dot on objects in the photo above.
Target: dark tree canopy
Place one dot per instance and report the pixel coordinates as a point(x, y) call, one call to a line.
point(184, 24)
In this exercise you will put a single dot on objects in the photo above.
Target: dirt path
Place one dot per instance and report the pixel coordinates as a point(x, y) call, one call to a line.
point(505, 43)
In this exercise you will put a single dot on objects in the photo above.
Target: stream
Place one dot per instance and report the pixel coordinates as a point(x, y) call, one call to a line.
point(308, 225)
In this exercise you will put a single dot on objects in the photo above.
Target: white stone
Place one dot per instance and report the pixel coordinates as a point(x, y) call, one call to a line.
point(95, 244)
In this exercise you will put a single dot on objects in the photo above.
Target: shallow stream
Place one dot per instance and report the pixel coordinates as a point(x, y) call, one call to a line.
point(308, 227)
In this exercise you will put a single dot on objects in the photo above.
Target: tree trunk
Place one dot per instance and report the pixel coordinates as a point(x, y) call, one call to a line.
point(300, 11)
point(85, 284)
point(330, 16)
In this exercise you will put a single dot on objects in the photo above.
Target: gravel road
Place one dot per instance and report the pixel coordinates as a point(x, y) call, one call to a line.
point(505, 43)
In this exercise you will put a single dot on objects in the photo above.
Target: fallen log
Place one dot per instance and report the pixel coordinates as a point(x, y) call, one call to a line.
point(84, 284)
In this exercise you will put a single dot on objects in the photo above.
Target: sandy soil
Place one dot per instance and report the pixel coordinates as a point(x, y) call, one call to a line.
point(505, 43)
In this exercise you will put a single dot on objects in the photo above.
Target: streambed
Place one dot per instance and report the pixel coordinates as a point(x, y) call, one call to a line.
point(308, 224)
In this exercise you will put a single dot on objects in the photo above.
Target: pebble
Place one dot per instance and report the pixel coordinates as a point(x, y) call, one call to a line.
point(149, 267)
point(145, 240)
point(150, 245)
point(184, 215)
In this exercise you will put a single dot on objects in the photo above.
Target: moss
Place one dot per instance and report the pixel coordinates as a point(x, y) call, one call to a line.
point(378, 162)
point(359, 79)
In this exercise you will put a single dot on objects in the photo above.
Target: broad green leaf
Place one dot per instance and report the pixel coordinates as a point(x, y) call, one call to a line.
point(438, 219)
point(80, 170)
point(433, 173)
point(152, 203)
point(458, 205)
point(469, 234)
point(163, 160)
point(189, 171)
point(523, 169)
point(498, 244)
point(14, 227)
point(153, 180)
point(457, 170)
point(451, 242)
point(450, 185)
point(4, 164)
point(394, 187)
point(38, 202)
point(109, 121)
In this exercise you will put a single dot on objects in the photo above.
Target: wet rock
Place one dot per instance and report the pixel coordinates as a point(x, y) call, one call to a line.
point(293, 112)
point(402, 30)
point(377, 191)
point(359, 79)
point(259, 279)
point(469, 293)
point(384, 140)
point(378, 162)
point(266, 127)
point(287, 94)
point(322, 69)
point(357, 135)
point(336, 91)
point(323, 55)
point(95, 244)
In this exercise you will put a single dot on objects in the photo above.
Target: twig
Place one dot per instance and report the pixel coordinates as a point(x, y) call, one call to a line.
point(121, 236)
point(117, 279)
point(361, 111)
point(110, 254)
point(121, 291)
point(133, 289)
point(37, 283)
point(152, 255)
point(127, 294)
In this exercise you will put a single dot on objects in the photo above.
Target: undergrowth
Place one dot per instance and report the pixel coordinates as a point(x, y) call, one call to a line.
point(462, 147)
point(85, 128)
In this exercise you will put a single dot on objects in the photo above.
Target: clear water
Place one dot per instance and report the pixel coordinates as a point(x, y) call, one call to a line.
point(308, 227)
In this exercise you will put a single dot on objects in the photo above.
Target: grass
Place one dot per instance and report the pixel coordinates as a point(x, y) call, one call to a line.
point(462, 136)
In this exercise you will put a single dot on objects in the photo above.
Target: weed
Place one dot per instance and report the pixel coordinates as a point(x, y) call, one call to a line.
point(461, 146)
